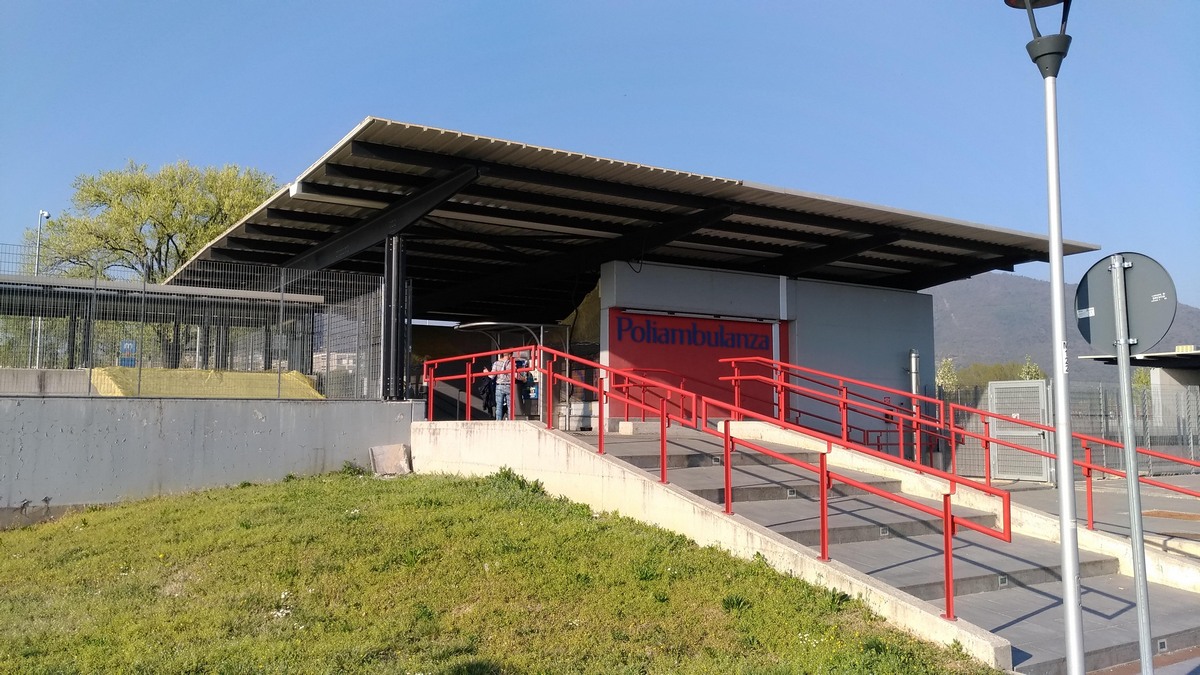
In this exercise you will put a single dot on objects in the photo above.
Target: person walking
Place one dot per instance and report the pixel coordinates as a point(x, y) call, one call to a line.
point(502, 374)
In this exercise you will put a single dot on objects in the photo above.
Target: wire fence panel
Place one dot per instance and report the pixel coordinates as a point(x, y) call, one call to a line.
point(1166, 420)
point(219, 330)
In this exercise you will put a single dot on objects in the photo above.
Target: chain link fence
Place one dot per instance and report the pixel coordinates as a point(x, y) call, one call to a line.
point(215, 330)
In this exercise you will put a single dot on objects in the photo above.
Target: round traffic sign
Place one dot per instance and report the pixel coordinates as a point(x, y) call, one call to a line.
point(1149, 304)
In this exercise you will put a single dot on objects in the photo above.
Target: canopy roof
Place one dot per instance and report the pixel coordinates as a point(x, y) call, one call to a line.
point(496, 229)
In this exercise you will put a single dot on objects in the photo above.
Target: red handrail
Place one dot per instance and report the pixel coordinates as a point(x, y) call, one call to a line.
point(951, 522)
point(697, 411)
point(836, 390)
point(944, 426)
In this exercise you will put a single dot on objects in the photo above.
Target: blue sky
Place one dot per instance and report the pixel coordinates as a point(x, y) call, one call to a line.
point(928, 106)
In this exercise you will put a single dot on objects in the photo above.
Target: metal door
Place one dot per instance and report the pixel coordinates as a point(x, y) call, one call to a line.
point(1024, 400)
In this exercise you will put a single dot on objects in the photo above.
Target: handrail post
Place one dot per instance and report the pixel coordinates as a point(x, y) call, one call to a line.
point(737, 387)
point(470, 386)
point(430, 387)
point(512, 390)
point(844, 406)
point(948, 543)
point(728, 470)
point(987, 452)
point(547, 392)
point(825, 485)
point(918, 431)
point(1087, 475)
point(952, 430)
point(779, 404)
point(662, 438)
point(600, 413)
point(900, 436)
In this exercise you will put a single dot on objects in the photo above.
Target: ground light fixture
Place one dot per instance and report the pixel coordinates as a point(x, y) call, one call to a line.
point(1048, 53)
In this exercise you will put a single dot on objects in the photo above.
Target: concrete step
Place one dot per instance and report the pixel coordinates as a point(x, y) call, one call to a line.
point(689, 449)
point(855, 518)
point(1031, 618)
point(981, 563)
point(768, 482)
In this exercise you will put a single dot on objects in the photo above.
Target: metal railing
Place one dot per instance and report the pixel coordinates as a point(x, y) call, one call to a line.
point(1166, 420)
point(931, 423)
point(675, 405)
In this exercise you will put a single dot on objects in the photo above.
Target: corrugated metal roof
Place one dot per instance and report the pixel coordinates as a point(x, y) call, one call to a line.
point(522, 238)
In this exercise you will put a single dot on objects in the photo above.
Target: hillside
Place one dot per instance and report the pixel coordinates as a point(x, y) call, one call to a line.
point(343, 573)
point(1001, 317)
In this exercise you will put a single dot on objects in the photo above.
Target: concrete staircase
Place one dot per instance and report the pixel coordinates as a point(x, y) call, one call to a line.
point(1011, 589)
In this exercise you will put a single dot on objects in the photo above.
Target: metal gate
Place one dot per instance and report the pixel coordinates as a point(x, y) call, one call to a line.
point(1024, 400)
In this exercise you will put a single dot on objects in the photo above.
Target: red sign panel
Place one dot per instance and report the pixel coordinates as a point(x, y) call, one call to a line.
point(685, 352)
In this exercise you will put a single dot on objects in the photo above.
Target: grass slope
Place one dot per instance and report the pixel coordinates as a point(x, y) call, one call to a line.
point(348, 574)
point(189, 383)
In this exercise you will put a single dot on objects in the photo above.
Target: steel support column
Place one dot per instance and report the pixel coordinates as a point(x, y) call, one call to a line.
point(395, 319)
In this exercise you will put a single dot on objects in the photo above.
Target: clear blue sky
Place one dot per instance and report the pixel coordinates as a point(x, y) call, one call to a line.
point(929, 106)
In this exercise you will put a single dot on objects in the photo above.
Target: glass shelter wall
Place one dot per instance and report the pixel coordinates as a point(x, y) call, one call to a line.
point(222, 330)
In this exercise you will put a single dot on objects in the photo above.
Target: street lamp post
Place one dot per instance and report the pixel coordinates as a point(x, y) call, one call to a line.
point(37, 269)
point(35, 352)
point(1048, 53)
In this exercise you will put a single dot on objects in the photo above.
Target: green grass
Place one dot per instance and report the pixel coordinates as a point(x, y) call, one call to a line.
point(344, 573)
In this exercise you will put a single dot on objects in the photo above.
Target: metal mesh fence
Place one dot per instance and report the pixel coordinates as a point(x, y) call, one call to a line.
point(1166, 420)
point(222, 330)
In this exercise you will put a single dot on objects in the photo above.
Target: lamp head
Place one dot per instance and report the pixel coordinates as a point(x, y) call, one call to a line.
point(1037, 4)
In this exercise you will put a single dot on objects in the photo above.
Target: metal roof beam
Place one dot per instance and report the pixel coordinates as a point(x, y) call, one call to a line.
point(387, 153)
point(389, 222)
point(800, 262)
point(916, 281)
point(256, 230)
point(288, 215)
point(505, 194)
point(433, 160)
point(632, 245)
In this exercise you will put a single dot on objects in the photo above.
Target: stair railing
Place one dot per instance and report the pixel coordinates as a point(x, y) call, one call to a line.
point(897, 411)
point(958, 432)
point(676, 405)
point(948, 426)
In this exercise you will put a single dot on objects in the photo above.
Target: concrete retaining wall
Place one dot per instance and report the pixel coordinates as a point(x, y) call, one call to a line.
point(569, 468)
point(43, 382)
point(92, 450)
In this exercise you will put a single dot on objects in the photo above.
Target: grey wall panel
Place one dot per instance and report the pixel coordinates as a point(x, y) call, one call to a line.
point(82, 451)
point(854, 331)
point(683, 289)
point(861, 332)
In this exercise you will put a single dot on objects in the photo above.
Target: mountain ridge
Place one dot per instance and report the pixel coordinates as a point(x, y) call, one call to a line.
point(1001, 317)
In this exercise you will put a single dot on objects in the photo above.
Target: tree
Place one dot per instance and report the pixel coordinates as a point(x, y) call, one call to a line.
point(148, 223)
point(980, 374)
point(1031, 370)
point(946, 377)
point(1140, 379)
point(135, 222)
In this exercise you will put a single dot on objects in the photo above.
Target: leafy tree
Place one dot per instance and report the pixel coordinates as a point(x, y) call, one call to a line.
point(148, 223)
point(1031, 370)
point(980, 374)
point(145, 224)
point(947, 375)
point(1140, 379)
